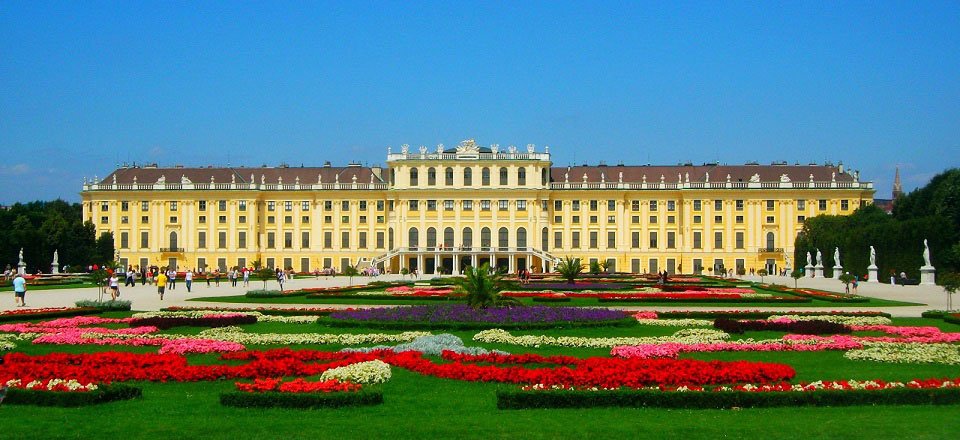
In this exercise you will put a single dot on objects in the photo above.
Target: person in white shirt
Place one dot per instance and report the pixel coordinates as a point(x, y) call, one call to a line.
point(188, 278)
point(246, 277)
point(114, 287)
point(20, 290)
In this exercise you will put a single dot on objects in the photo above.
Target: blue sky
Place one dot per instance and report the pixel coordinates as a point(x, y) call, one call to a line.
point(84, 85)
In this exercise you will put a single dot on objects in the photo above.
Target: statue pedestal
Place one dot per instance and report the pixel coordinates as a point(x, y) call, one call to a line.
point(22, 268)
point(872, 271)
point(837, 271)
point(818, 271)
point(809, 271)
point(928, 275)
point(54, 268)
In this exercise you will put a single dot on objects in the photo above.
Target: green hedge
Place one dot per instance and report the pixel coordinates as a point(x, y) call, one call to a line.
point(121, 305)
point(513, 398)
point(934, 314)
point(401, 325)
point(53, 314)
point(242, 399)
point(782, 300)
point(105, 393)
point(953, 319)
point(260, 293)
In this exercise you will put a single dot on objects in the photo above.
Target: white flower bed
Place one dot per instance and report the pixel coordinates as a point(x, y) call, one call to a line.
point(685, 336)
point(375, 371)
point(300, 319)
point(676, 322)
point(236, 334)
point(839, 319)
point(70, 384)
point(6, 343)
point(907, 353)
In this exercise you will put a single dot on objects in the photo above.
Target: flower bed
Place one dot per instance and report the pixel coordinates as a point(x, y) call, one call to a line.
point(116, 304)
point(840, 393)
point(907, 353)
point(687, 336)
point(758, 314)
point(292, 311)
point(818, 294)
point(809, 327)
point(50, 312)
point(673, 349)
point(703, 298)
point(375, 371)
point(461, 316)
point(212, 320)
point(299, 393)
point(65, 393)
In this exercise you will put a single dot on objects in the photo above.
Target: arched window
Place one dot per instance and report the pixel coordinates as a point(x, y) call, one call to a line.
point(485, 177)
point(390, 238)
point(467, 238)
point(468, 177)
point(503, 176)
point(431, 176)
point(173, 241)
point(545, 239)
point(448, 177)
point(521, 238)
point(485, 237)
point(503, 238)
point(770, 241)
point(431, 237)
point(414, 238)
point(414, 177)
point(522, 176)
point(448, 238)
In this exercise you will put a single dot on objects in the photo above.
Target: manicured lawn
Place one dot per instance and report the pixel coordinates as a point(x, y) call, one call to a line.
point(417, 406)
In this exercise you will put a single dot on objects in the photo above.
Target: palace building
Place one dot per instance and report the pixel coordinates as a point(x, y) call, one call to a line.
point(445, 209)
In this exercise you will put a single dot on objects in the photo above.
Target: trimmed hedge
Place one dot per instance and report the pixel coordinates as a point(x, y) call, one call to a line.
point(385, 296)
point(51, 314)
point(513, 398)
point(779, 300)
point(105, 393)
point(240, 399)
point(798, 327)
point(168, 322)
point(401, 325)
point(119, 305)
point(260, 293)
point(953, 318)
point(934, 314)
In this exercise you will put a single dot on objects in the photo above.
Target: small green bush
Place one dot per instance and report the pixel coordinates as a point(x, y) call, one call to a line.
point(118, 304)
point(261, 293)
point(105, 393)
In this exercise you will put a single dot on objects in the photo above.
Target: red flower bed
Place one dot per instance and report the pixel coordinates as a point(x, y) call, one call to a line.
point(296, 386)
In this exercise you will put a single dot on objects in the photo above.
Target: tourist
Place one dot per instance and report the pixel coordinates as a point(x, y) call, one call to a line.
point(129, 281)
point(161, 284)
point(188, 279)
point(114, 287)
point(172, 278)
point(903, 278)
point(20, 290)
point(216, 276)
point(143, 276)
point(233, 277)
point(281, 277)
point(856, 283)
point(246, 277)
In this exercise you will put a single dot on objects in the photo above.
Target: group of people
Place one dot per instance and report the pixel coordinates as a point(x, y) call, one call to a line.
point(523, 275)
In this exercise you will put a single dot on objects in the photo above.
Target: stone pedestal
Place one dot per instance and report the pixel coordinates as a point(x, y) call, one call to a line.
point(872, 271)
point(818, 271)
point(55, 269)
point(837, 271)
point(928, 275)
point(22, 268)
point(809, 271)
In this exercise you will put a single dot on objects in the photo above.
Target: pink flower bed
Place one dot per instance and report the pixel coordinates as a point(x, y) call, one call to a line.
point(175, 346)
point(673, 349)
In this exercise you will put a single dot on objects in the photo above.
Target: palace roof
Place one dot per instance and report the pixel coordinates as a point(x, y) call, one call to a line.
point(326, 174)
point(698, 173)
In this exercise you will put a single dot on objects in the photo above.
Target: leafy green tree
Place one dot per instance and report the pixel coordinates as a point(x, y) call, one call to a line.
point(351, 271)
point(595, 268)
point(105, 249)
point(796, 274)
point(265, 274)
point(762, 273)
point(846, 279)
point(481, 287)
point(570, 269)
point(950, 283)
point(605, 265)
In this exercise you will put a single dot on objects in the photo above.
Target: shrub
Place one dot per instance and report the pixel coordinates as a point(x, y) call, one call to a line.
point(262, 293)
point(105, 305)
point(103, 394)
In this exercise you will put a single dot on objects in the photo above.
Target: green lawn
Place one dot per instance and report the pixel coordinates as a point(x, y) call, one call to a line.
point(425, 407)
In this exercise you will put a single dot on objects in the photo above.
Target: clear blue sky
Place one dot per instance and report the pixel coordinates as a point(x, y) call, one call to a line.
point(84, 85)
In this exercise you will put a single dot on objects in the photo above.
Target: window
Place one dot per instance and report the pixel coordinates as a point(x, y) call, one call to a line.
point(344, 219)
point(271, 205)
point(739, 205)
point(242, 205)
point(468, 177)
point(593, 239)
point(697, 240)
point(414, 205)
point(558, 205)
point(718, 240)
point(611, 205)
point(222, 219)
point(575, 205)
point(738, 240)
point(844, 205)
point(345, 240)
point(671, 240)
point(822, 204)
point(288, 219)
point(485, 177)
point(503, 176)
point(671, 205)
point(558, 240)
point(522, 176)
point(305, 219)
point(271, 219)
point(575, 219)
point(611, 219)
point(173, 219)
point(593, 205)
point(521, 238)
point(801, 205)
point(362, 240)
point(242, 239)
point(379, 239)
point(202, 240)
point(124, 219)
point(503, 237)
point(380, 219)
point(611, 240)
point(521, 205)
point(124, 240)
point(575, 240)
point(770, 205)
point(653, 205)
point(697, 205)
point(635, 239)
point(468, 205)
point(305, 205)
point(345, 205)
point(327, 240)
point(484, 205)
point(431, 205)
point(739, 219)
point(144, 240)
point(125, 206)
point(173, 206)
point(288, 240)
point(485, 237)
point(558, 219)
point(635, 219)
point(242, 219)
point(328, 219)
point(431, 176)
point(697, 219)
point(222, 240)
point(414, 177)
point(771, 241)
point(671, 219)
point(144, 219)
point(653, 239)
point(448, 205)
point(328, 205)
point(271, 240)
point(718, 205)
point(635, 205)
point(769, 219)
point(593, 219)
point(801, 218)
point(718, 219)
point(653, 219)
point(448, 176)
point(202, 219)
point(379, 205)
point(144, 205)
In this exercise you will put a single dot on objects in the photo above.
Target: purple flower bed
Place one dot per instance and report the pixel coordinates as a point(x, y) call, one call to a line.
point(464, 316)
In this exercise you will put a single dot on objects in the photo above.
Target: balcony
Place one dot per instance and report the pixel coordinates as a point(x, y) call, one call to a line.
point(770, 250)
point(171, 250)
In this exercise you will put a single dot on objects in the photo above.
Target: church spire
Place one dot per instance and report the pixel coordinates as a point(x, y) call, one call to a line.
point(897, 187)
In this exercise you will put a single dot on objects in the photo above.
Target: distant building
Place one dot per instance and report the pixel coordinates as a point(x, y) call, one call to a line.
point(887, 204)
point(451, 208)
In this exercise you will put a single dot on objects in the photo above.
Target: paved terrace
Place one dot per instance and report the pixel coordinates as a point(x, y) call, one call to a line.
point(145, 297)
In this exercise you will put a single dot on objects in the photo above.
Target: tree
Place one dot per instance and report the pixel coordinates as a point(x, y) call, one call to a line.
point(570, 269)
point(265, 274)
point(104, 248)
point(950, 283)
point(796, 275)
point(846, 279)
point(762, 273)
point(99, 278)
point(351, 271)
point(605, 265)
point(595, 268)
point(482, 287)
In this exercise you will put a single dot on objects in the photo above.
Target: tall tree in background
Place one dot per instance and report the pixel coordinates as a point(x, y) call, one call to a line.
point(40, 228)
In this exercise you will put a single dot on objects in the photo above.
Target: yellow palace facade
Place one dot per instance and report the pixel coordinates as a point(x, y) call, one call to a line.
point(445, 209)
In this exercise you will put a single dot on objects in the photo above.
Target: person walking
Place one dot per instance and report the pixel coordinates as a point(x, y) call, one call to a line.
point(20, 290)
point(129, 278)
point(281, 277)
point(172, 278)
point(114, 287)
point(188, 279)
point(161, 284)
point(233, 277)
point(216, 276)
point(246, 277)
point(143, 276)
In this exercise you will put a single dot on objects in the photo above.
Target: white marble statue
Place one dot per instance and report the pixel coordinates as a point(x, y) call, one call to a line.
point(836, 257)
point(926, 254)
point(56, 256)
point(809, 259)
point(873, 256)
point(819, 258)
point(20, 255)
